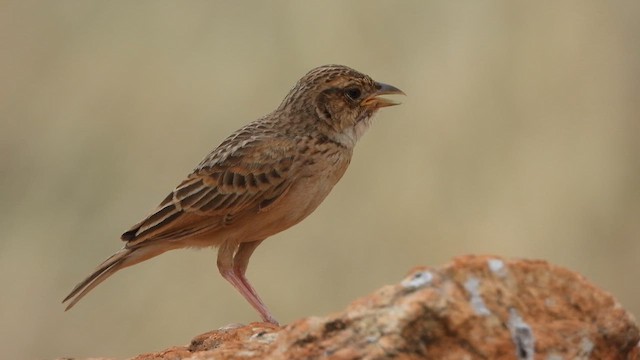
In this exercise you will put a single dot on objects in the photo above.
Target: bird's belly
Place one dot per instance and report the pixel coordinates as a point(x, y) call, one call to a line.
point(303, 198)
point(299, 202)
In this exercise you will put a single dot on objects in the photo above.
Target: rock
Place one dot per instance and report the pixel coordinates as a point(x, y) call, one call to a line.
point(477, 307)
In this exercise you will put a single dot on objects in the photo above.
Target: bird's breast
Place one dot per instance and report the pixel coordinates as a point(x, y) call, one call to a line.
point(308, 188)
point(313, 185)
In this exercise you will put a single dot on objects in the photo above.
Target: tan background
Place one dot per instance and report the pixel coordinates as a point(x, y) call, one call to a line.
point(519, 137)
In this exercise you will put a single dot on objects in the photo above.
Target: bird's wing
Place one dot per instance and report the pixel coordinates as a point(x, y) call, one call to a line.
point(240, 175)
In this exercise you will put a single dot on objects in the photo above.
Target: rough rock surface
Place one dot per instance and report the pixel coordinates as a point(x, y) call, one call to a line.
point(477, 307)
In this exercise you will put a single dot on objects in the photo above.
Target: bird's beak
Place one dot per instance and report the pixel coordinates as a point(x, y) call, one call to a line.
point(377, 102)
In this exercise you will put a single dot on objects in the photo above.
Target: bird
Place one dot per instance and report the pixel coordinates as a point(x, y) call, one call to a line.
point(264, 178)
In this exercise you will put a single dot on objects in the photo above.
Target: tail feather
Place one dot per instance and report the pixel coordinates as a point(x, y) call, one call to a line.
point(120, 260)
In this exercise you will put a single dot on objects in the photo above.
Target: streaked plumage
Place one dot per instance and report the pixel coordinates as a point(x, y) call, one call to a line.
point(264, 178)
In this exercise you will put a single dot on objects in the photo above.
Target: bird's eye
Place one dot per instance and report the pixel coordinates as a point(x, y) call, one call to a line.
point(353, 93)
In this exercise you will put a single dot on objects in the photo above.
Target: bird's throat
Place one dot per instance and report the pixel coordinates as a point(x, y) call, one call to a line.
point(350, 135)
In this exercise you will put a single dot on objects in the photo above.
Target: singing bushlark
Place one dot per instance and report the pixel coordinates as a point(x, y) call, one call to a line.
point(263, 179)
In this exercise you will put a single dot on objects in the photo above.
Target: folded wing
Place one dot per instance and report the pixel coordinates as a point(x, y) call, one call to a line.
point(245, 175)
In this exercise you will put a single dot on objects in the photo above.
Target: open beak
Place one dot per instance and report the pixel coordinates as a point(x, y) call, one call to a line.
point(377, 102)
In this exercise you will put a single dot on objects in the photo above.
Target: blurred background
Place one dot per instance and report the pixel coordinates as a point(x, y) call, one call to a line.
point(519, 137)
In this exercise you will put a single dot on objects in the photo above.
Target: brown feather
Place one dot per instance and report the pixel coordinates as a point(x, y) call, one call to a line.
point(264, 178)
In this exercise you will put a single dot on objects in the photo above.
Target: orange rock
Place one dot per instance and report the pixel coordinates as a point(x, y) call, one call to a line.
point(477, 307)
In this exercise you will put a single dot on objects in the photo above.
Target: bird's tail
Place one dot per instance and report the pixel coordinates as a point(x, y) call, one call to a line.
point(120, 260)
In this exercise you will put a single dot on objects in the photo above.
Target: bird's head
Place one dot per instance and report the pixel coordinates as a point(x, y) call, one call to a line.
point(340, 100)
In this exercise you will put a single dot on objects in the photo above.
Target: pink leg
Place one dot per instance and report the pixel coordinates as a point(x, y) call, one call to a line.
point(241, 262)
point(233, 269)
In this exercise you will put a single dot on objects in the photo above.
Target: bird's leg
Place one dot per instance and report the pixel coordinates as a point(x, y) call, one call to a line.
point(234, 274)
point(241, 262)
